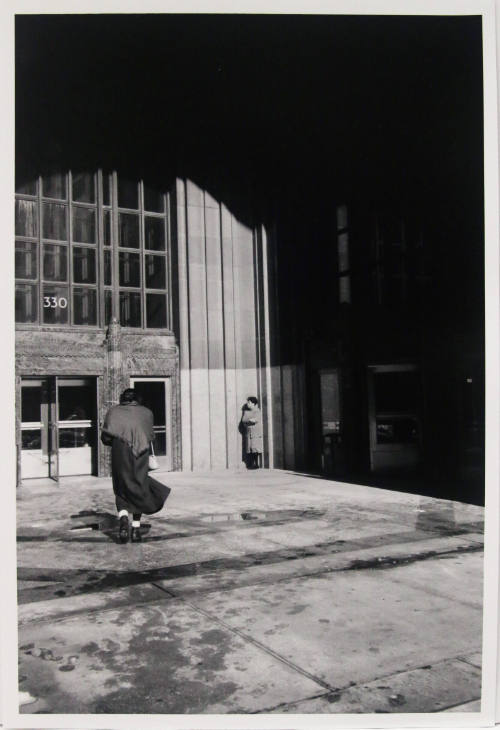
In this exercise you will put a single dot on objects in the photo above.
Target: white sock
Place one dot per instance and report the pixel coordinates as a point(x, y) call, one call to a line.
point(122, 513)
point(136, 523)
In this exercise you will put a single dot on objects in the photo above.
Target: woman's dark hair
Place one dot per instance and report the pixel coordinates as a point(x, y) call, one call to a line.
point(253, 400)
point(128, 396)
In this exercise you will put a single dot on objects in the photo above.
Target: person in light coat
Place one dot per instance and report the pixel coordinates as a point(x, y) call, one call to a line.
point(251, 422)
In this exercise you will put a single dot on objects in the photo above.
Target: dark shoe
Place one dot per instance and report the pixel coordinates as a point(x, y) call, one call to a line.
point(136, 535)
point(123, 531)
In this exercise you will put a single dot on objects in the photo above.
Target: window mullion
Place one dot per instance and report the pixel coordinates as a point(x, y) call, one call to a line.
point(100, 252)
point(168, 237)
point(40, 256)
point(70, 249)
point(142, 244)
point(115, 279)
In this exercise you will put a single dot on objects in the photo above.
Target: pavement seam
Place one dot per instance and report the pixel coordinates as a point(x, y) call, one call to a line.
point(251, 640)
point(394, 562)
point(382, 678)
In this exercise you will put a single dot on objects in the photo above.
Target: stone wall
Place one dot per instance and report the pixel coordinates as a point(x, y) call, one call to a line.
point(223, 328)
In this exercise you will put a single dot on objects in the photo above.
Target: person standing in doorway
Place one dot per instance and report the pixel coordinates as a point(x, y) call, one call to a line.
point(251, 421)
point(128, 429)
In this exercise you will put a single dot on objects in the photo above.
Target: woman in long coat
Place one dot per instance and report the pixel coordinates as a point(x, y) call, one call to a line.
point(251, 421)
point(128, 429)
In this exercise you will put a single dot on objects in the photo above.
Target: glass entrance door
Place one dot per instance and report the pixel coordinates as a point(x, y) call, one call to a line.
point(394, 394)
point(58, 427)
point(155, 394)
point(76, 425)
point(38, 428)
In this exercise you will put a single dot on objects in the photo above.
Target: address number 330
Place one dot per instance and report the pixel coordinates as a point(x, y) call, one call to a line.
point(54, 302)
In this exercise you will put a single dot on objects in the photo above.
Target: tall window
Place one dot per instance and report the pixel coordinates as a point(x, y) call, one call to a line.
point(90, 246)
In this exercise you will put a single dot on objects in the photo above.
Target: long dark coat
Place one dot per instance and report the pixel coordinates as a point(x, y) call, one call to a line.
point(135, 491)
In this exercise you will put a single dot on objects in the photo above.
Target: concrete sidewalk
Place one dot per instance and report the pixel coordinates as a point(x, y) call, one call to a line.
point(252, 592)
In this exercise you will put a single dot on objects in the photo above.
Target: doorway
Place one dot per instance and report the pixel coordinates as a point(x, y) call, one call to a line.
point(156, 394)
point(394, 394)
point(58, 427)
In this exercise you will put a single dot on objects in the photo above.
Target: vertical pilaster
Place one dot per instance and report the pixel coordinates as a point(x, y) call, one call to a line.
point(233, 439)
point(18, 430)
point(215, 331)
point(184, 333)
point(198, 326)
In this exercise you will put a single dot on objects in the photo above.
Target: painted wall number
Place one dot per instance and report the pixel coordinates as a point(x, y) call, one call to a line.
point(54, 302)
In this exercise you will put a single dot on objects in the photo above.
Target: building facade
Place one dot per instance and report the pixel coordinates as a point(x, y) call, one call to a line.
point(210, 207)
point(120, 285)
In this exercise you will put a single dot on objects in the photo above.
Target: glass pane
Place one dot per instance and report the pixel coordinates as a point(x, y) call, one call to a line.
point(108, 306)
point(54, 186)
point(155, 272)
point(27, 218)
point(130, 269)
point(107, 267)
point(26, 303)
point(26, 260)
point(84, 269)
point(32, 439)
point(396, 391)
point(397, 430)
point(26, 188)
point(160, 443)
point(107, 227)
point(153, 200)
point(152, 395)
point(54, 221)
point(84, 187)
point(154, 233)
point(76, 401)
point(85, 306)
point(72, 438)
point(128, 230)
point(55, 304)
point(156, 310)
point(31, 401)
point(106, 189)
point(128, 196)
point(84, 225)
point(130, 309)
point(330, 402)
point(55, 262)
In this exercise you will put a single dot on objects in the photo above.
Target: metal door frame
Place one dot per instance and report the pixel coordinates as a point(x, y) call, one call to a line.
point(167, 380)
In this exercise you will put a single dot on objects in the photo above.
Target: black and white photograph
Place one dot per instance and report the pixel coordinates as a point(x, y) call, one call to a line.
point(255, 254)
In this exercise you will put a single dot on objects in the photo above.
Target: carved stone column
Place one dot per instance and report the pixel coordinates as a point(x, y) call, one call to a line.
point(115, 364)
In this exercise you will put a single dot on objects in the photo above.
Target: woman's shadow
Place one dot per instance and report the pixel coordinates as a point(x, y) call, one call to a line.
point(103, 522)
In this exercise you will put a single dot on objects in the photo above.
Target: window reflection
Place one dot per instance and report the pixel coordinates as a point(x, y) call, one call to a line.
point(27, 218)
point(69, 245)
point(154, 233)
point(130, 309)
point(55, 262)
point(128, 194)
point(26, 260)
point(156, 310)
point(128, 230)
point(84, 268)
point(85, 306)
point(84, 225)
point(54, 186)
point(83, 187)
point(155, 272)
point(55, 304)
point(26, 303)
point(54, 221)
point(130, 269)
